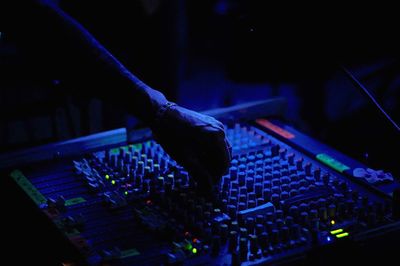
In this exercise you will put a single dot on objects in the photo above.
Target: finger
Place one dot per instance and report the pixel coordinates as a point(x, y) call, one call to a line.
point(199, 172)
point(188, 159)
point(214, 154)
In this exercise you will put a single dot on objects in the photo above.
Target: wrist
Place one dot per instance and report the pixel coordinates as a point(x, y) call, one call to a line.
point(162, 110)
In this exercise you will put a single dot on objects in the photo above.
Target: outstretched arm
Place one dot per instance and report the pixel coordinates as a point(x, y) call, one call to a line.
point(195, 140)
point(83, 50)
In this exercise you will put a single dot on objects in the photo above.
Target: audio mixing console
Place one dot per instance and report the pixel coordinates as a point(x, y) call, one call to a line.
point(283, 195)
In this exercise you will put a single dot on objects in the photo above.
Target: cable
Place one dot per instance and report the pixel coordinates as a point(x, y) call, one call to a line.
point(370, 96)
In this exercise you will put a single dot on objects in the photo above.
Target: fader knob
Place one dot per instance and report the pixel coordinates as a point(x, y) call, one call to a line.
point(233, 236)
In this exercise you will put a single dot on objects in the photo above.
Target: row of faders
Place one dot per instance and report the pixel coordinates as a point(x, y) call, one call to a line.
point(272, 202)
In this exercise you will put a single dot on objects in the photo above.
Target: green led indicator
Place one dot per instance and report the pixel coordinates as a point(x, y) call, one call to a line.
point(337, 231)
point(342, 235)
point(194, 250)
point(332, 163)
point(28, 187)
point(113, 182)
point(74, 201)
point(107, 177)
point(129, 253)
point(187, 245)
point(126, 193)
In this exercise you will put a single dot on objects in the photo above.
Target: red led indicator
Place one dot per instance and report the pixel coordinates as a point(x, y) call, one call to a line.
point(278, 130)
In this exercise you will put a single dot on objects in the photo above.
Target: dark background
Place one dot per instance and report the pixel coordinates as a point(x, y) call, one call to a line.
point(214, 53)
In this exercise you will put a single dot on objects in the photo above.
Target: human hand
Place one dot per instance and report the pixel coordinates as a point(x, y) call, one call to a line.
point(195, 141)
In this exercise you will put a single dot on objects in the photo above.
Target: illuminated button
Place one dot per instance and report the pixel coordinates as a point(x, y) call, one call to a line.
point(312, 187)
point(160, 181)
point(275, 182)
point(233, 236)
point(275, 199)
point(253, 244)
point(150, 163)
point(234, 185)
point(274, 237)
point(279, 214)
point(260, 201)
point(216, 245)
point(243, 249)
point(303, 207)
point(293, 193)
point(269, 226)
point(259, 163)
point(242, 206)
point(258, 179)
point(147, 171)
point(242, 178)
point(290, 158)
point(313, 214)
point(233, 173)
point(317, 174)
point(233, 200)
point(234, 226)
point(276, 190)
point(323, 213)
point(332, 211)
point(276, 174)
point(307, 168)
point(289, 221)
point(326, 178)
point(303, 190)
point(263, 240)
point(342, 235)
point(275, 150)
point(259, 219)
point(243, 232)
point(243, 198)
point(303, 183)
point(285, 187)
point(284, 233)
point(250, 166)
point(250, 184)
point(331, 162)
point(294, 231)
point(285, 195)
point(224, 232)
point(276, 167)
point(279, 223)
point(251, 204)
point(258, 187)
point(259, 229)
point(267, 194)
point(269, 216)
point(337, 231)
point(285, 180)
point(266, 184)
point(234, 192)
point(140, 168)
point(251, 196)
point(294, 211)
point(250, 224)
